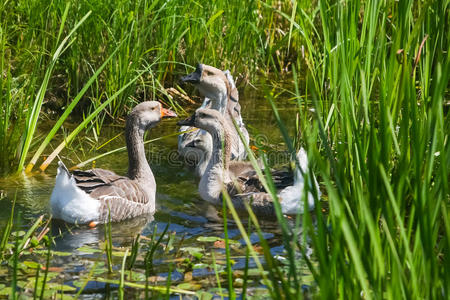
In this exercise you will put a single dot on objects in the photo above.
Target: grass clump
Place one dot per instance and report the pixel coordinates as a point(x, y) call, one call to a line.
point(150, 40)
point(377, 74)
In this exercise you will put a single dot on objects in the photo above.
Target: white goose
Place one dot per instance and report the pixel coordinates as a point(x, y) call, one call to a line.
point(220, 94)
point(94, 196)
point(245, 186)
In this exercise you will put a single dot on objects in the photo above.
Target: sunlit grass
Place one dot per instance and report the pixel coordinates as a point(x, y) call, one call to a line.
point(112, 43)
point(376, 74)
point(379, 142)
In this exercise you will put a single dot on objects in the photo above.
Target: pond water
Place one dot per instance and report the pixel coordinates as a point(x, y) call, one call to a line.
point(192, 247)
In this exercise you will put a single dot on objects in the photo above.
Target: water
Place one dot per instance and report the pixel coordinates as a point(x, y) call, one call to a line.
point(184, 251)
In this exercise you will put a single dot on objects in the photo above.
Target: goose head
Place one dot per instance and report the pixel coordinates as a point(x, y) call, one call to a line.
point(211, 82)
point(147, 114)
point(208, 119)
point(144, 116)
point(202, 142)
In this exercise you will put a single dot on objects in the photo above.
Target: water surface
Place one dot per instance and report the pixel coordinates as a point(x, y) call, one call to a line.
point(189, 219)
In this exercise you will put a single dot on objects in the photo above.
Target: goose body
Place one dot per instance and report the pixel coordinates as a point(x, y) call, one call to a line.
point(204, 145)
point(220, 94)
point(98, 195)
point(245, 186)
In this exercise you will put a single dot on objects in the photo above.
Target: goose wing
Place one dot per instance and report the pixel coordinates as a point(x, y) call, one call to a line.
point(90, 180)
point(120, 198)
point(248, 181)
point(260, 202)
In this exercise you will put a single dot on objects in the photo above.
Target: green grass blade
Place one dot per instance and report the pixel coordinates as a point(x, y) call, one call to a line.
point(37, 104)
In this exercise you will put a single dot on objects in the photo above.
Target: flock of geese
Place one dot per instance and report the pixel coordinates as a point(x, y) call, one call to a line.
point(218, 152)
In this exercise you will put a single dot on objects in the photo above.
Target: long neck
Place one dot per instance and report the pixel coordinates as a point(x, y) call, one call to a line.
point(220, 101)
point(204, 162)
point(216, 173)
point(138, 168)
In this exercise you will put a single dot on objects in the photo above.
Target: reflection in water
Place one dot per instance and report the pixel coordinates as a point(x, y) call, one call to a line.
point(69, 237)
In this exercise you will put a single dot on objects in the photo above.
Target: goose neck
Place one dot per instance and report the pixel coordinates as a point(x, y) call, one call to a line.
point(216, 173)
point(220, 102)
point(138, 167)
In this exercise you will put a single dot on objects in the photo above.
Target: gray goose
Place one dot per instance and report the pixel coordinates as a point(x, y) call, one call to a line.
point(205, 145)
point(94, 196)
point(245, 186)
point(220, 93)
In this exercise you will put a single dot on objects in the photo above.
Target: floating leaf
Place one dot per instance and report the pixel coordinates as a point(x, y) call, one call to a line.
point(219, 291)
point(189, 286)
point(61, 253)
point(208, 238)
point(202, 295)
point(200, 266)
point(119, 253)
point(136, 276)
point(99, 271)
point(59, 287)
point(194, 251)
point(31, 264)
point(87, 249)
point(18, 233)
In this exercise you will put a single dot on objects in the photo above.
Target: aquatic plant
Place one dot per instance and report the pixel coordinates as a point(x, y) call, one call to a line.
point(379, 140)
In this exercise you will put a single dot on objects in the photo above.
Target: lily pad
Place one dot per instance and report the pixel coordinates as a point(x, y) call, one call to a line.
point(119, 253)
point(208, 238)
point(59, 287)
point(202, 295)
point(189, 286)
point(200, 266)
point(31, 264)
point(136, 276)
point(194, 251)
point(87, 249)
point(56, 253)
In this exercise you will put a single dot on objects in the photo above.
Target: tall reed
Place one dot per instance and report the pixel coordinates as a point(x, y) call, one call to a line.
point(376, 75)
point(150, 40)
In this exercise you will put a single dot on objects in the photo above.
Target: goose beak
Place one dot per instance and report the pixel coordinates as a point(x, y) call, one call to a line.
point(167, 113)
point(187, 122)
point(195, 76)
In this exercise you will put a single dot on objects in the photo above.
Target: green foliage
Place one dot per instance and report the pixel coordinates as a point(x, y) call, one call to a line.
point(375, 72)
point(376, 75)
point(153, 39)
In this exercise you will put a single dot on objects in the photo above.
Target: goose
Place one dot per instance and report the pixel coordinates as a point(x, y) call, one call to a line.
point(246, 187)
point(221, 94)
point(96, 196)
point(205, 146)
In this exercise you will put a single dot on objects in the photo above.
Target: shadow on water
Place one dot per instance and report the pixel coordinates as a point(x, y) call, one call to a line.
point(194, 227)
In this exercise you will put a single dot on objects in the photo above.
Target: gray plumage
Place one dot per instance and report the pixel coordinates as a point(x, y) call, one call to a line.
point(100, 195)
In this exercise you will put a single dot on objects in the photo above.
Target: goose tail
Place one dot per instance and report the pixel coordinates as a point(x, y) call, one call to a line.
point(62, 168)
point(292, 196)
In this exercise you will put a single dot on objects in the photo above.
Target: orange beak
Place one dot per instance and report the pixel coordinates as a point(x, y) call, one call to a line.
point(167, 113)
